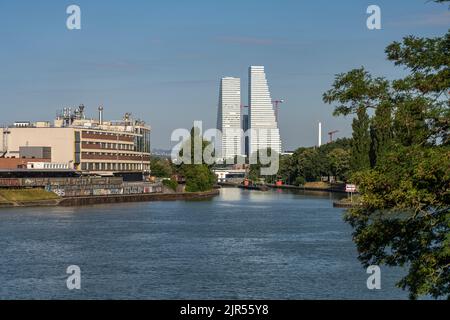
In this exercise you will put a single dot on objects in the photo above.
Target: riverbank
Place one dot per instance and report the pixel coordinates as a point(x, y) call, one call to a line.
point(27, 198)
point(42, 198)
point(309, 186)
point(313, 186)
point(347, 203)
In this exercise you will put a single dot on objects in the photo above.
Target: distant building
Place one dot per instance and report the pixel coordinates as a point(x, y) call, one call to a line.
point(263, 124)
point(230, 175)
point(35, 152)
point(287, 153)
point(17, 163)
point(229, 117)
point(78, 143)
point(47, 165)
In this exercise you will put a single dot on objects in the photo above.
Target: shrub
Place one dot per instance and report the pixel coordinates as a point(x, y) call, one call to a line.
point(172, 184)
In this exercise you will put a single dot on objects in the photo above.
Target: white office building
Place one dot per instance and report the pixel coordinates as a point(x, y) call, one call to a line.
point(264, 132)
point(229, 117)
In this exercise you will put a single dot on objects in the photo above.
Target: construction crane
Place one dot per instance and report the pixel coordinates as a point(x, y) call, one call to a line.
point(277, 107)
point(331, 133)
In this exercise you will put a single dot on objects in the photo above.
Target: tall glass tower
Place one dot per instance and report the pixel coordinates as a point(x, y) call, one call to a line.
point(263, 124)
point(229, 117)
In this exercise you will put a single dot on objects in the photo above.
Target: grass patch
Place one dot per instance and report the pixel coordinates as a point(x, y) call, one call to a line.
point(4, 201)
point(26, 195)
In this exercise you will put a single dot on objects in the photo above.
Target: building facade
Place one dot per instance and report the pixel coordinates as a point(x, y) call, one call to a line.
point(85, 145)
point(245, 127)
point(229, 117)
point(264, 130)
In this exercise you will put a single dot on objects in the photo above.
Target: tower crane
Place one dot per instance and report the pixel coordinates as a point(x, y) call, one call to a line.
point(277, 107)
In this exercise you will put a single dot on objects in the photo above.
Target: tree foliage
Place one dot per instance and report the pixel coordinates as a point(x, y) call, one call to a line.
point(310, 164)
point(404, 219)
point(161, 167)
point(199, 177)
point(361, 143)
point(171, 183)
point(356, 93)
point(381, 133)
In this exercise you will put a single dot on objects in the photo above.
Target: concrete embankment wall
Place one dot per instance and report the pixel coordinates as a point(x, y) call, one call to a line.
point(82, 201)
point(103, 187)
point(289, 187)
point(83, 186)
point(337, 189)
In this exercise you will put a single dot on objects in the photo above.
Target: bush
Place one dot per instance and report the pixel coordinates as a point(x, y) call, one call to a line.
point(300, 181)
point(199, 178)
point(161, 168)
point(172, 184)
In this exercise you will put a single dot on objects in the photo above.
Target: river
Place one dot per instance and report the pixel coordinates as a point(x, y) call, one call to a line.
point(239, 245)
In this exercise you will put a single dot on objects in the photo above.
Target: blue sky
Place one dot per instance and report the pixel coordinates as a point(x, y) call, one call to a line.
point(162, 60)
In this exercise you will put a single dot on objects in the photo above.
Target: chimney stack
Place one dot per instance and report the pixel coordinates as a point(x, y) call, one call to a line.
point(320, 134)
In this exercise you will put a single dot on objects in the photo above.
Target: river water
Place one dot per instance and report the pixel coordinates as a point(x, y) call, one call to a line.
point(239, 245)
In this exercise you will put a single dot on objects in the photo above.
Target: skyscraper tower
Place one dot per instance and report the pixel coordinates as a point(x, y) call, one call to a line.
point(263, 124)
point(229, 117)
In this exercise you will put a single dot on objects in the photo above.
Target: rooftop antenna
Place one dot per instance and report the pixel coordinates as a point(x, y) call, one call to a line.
point(100, 115)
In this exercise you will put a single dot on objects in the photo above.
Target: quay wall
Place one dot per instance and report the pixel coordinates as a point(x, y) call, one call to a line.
point(84, 186)
point(83, 201)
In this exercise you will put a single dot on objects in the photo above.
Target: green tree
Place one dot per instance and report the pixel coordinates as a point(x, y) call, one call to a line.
point(404, 217)
point(356, 90)
point(380, 132)
point(161, 168)
point(199, 177)
point(339, 163)
point(288, 169)
point(172, 184)
point(354, 93)
point(310, 164)
point(421, 98)
point(255, 169)
point(361, 141)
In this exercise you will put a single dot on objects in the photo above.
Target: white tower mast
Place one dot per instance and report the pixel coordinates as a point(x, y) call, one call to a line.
point(320, 134)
